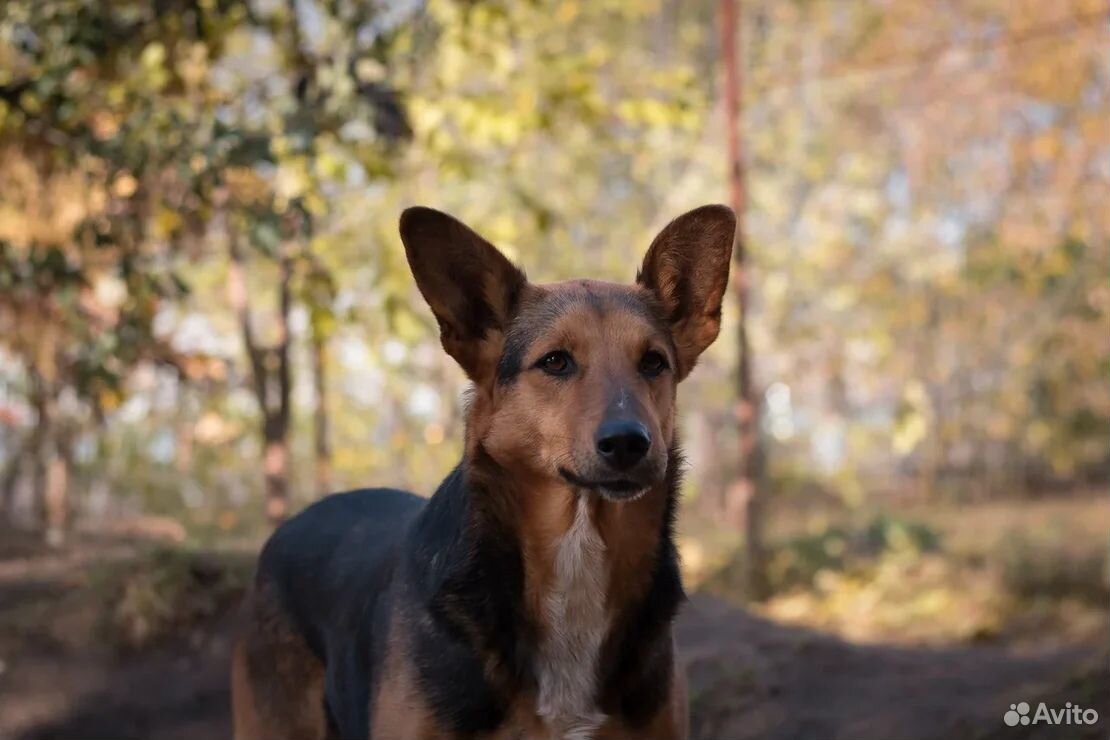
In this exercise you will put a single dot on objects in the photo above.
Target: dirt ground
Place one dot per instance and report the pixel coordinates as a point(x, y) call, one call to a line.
point(749, 678)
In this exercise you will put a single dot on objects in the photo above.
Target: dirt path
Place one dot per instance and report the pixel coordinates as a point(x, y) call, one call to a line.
point(749, 678)
point(755, 679)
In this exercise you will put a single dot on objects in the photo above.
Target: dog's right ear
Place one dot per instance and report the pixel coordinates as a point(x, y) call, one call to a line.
point(686, 268)
point(472, 288)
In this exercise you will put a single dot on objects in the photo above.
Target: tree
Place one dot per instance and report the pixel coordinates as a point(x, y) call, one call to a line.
point(96, 192)
point(330, 81)
point(270, 374)
point(744, 499)
point(915, 271)
point(319, 296)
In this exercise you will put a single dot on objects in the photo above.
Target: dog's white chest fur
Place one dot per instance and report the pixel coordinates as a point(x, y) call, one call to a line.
point(577, 622)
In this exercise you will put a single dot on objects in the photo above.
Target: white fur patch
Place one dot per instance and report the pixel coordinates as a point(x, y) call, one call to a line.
point(577, 623)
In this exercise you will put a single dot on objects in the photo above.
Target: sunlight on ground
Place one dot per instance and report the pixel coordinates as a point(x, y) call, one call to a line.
point(1025, 574)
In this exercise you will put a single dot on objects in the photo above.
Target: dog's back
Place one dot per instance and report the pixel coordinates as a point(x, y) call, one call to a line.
point(300, 615)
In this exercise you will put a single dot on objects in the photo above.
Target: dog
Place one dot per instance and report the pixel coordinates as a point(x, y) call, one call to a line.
point(532, 596)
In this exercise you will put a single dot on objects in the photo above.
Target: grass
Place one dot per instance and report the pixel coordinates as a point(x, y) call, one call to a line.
point(1014, 572)
point(166, 592)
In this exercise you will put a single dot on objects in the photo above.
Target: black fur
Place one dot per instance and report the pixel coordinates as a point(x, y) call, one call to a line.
point(452, 567)
point(331, 567)
point(466, 576)
point(517, 344)
point(637, 657)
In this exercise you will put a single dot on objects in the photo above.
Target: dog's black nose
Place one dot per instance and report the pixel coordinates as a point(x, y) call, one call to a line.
point(622, 443)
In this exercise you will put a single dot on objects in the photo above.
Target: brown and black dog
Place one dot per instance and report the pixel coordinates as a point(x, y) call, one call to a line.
point(532, 596)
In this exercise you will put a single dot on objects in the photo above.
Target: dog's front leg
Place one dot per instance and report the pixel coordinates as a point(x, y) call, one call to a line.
point(670, 722)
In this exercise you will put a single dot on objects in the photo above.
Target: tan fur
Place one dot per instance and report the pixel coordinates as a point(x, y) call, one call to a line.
point(688, 251)
point(246, 723)
point(277, 686)
point(582, 561)
point(400, 713)
point(534, 426)
point(531, 429)
point(545, 513)
point(399, 710)
point(586, 556)
point(630, 534)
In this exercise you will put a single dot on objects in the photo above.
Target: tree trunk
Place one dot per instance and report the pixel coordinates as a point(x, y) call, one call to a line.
point(277, 442)
point(321, 443)
point(39, 449)
point(39, 464)
point(11, 479)
point(744, 501)
point(185, 437)
point(276, 468)
point(51, 456)
point(56, 494)
point(270, 376)
point(934, 457)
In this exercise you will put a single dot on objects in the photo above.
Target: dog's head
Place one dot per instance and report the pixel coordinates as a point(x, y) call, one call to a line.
point(575, 380)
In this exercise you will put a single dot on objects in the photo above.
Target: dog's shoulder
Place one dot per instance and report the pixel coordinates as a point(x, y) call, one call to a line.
point(321, 561)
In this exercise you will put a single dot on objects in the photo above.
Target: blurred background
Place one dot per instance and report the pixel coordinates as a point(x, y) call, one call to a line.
point(899, 447)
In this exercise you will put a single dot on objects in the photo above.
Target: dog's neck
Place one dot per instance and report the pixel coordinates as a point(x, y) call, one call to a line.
point(553, 521)
point(534, 515)
point(588, 566)
point(505, 565)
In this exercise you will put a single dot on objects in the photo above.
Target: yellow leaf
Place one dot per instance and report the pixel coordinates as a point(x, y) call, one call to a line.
point(166, 222)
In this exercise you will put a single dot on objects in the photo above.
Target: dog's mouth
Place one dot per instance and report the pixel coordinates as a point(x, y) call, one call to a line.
point(617, 489)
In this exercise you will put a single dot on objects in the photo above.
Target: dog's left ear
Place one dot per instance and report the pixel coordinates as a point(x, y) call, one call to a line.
point(686, 268)
point(472, 288)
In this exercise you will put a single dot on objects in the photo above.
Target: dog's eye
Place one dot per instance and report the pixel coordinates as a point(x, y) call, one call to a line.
point(652, 363)
point(558, 362)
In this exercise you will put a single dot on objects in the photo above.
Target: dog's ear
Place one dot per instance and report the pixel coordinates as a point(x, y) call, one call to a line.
point(686, 268)
point(471, 287)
